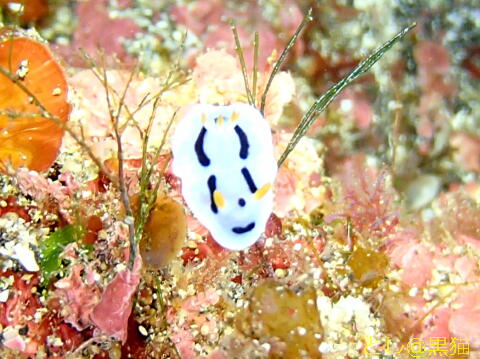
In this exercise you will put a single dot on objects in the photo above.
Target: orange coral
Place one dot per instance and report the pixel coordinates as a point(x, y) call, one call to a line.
point(27, 138)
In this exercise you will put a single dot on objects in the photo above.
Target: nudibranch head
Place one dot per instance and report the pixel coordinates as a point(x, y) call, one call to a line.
point(224, 157)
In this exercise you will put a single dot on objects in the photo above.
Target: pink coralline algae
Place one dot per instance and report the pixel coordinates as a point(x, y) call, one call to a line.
point(45, 191)
point(217, 78)
point(460, 320)
point(18, 311)
point(416, 261)
point(465, 319)
point(78, 296)
point(206, 20)
point(467, 150)
point(361, 109)
point(193, 310)
point(434, 67)
point(437, 325)
point(94, 19)
point(184, 343)
point(96, 123)
point(284, 190)
point(112, 312)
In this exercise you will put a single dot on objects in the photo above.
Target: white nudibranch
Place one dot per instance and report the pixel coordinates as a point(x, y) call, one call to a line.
point(224, 157)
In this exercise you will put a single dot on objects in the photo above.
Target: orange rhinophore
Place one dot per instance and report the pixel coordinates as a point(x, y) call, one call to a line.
point(27, 137)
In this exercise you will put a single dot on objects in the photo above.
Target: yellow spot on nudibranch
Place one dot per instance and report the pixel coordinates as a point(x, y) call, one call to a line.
point(220, 120)
point(218, 199)
point(204, 118)
point(234, 118)
point(262, 191)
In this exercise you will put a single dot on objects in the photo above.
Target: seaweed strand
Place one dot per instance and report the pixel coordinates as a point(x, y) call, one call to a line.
point(283, 56)
point(115, 119)
point(255, 67)
point(239, 50)
point(327, 97)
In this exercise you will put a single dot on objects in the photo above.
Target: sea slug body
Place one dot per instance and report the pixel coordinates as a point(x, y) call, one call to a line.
point(224, 157)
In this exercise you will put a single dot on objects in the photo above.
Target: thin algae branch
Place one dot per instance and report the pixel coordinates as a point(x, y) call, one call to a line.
point(323, 101)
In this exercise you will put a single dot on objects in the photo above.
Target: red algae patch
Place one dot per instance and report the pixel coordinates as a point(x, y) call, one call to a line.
point(27, 137)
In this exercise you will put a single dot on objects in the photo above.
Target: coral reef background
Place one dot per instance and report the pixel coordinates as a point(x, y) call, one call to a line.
point(373, 246)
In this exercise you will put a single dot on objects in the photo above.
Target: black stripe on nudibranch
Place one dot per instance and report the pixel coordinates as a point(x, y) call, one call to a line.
point(202, 157)
point(249, 180)
point(247, 228)
point(212, 186)
point(243, 142)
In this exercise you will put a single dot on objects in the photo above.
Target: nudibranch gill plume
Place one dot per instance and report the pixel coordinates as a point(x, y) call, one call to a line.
point(224, 157)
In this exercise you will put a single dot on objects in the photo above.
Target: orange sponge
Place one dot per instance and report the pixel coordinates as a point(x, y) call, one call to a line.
point(26, 137)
